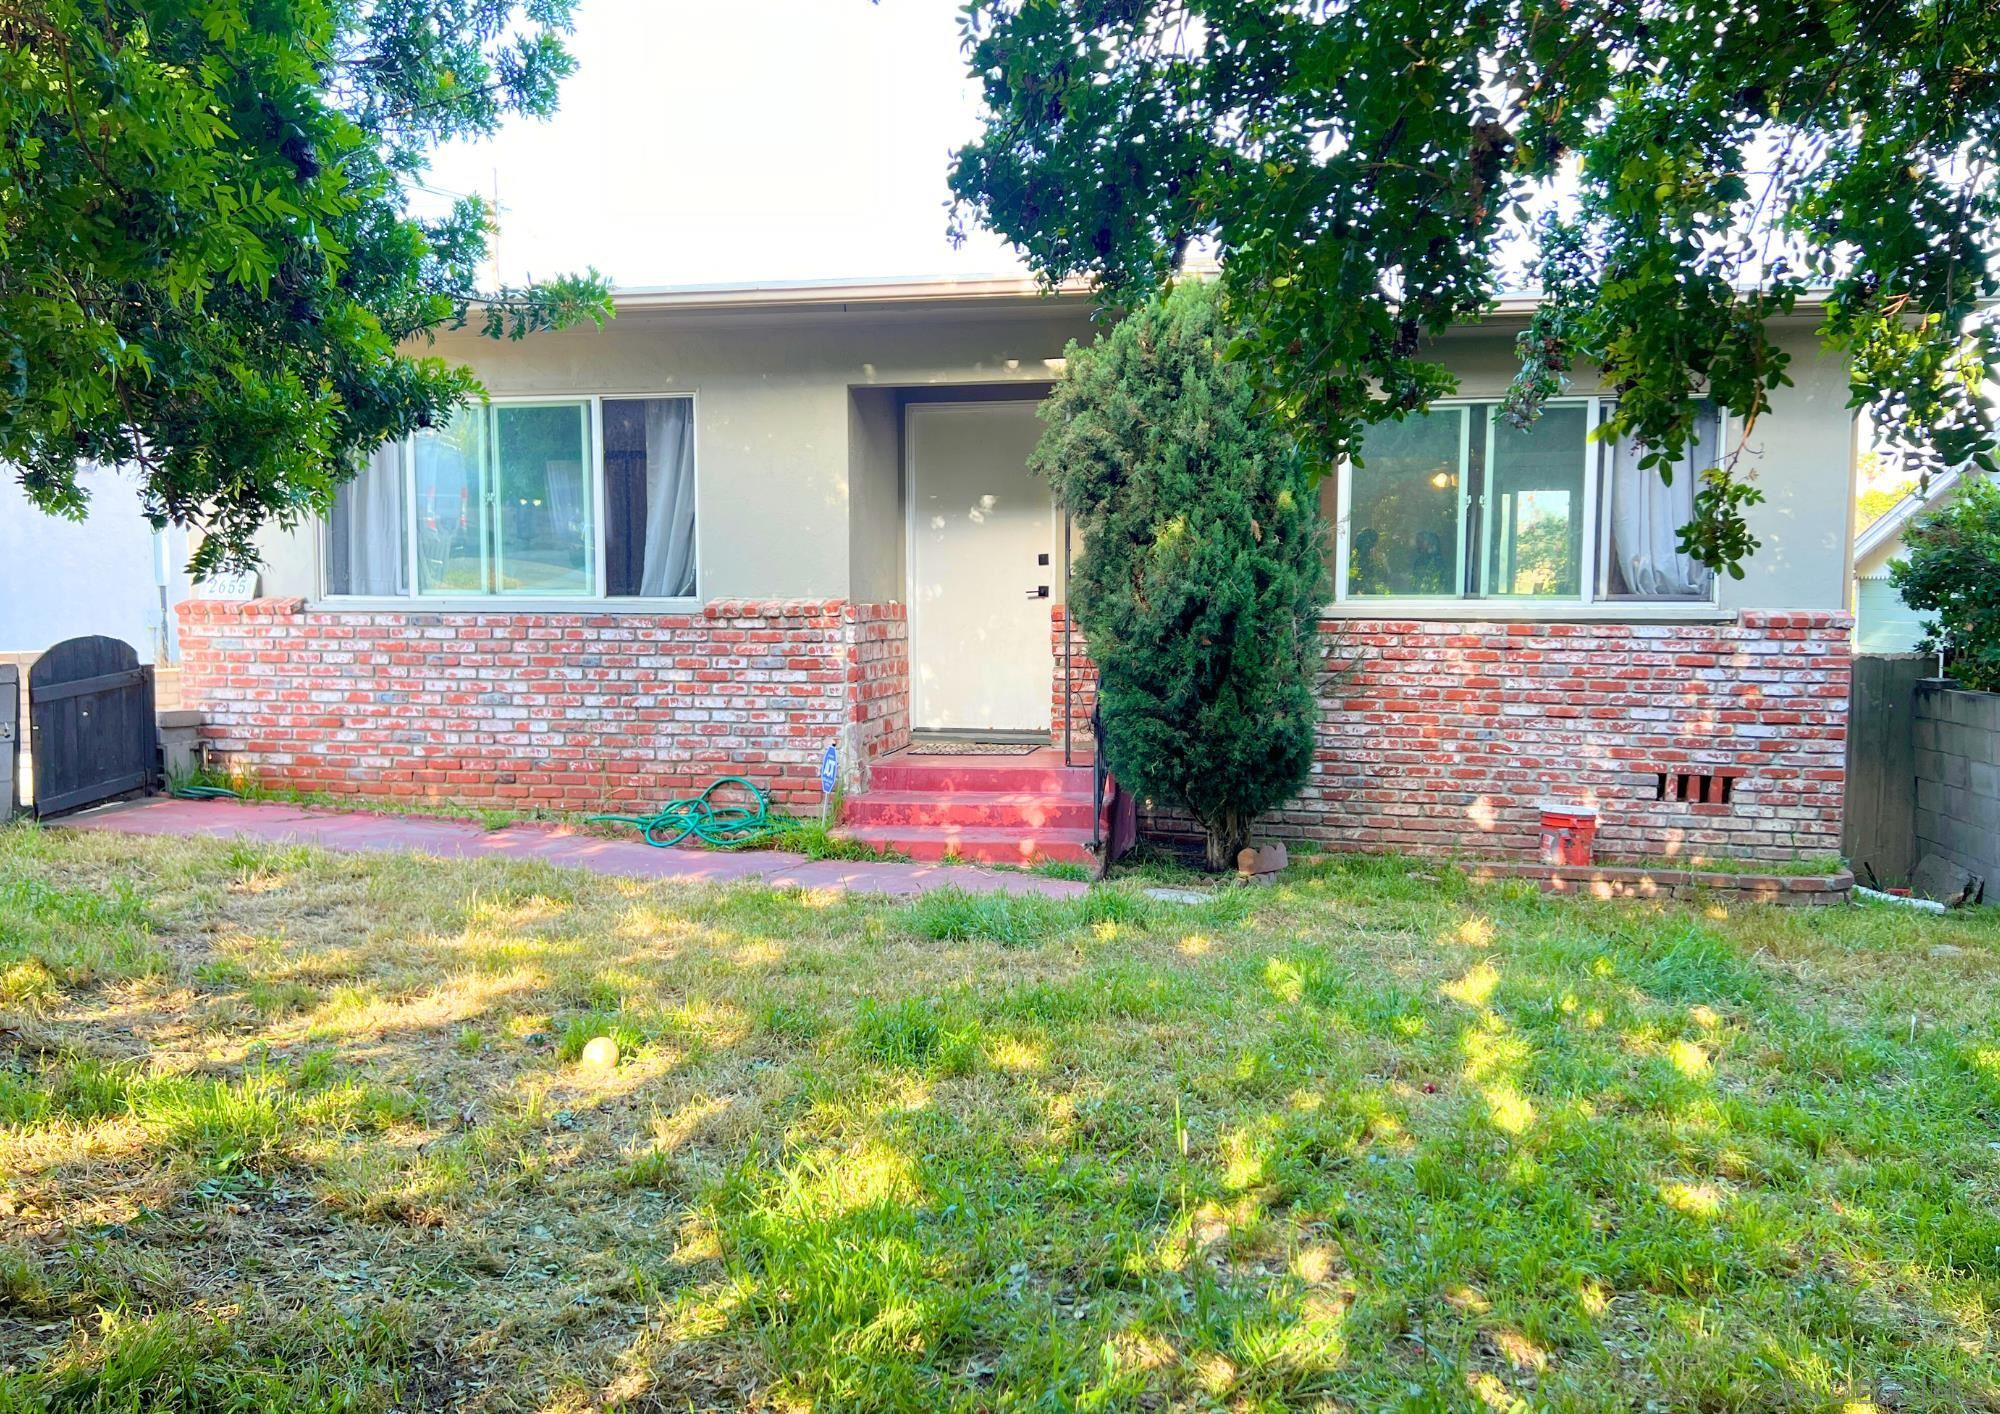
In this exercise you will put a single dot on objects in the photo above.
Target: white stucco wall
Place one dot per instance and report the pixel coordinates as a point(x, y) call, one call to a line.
point(65, 579)
point(774, 420)
point(793, 449)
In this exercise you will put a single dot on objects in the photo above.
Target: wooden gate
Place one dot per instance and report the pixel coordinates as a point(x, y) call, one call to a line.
point(1879, 829)
point(91, 726)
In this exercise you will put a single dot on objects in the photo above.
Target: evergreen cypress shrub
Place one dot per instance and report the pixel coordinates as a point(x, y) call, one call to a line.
point(1202, 569)
point(1952, 569)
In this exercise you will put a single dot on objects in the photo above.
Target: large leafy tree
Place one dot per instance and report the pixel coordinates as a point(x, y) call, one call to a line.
point(1203, 566)
point(1674, 173)
point(207, 269)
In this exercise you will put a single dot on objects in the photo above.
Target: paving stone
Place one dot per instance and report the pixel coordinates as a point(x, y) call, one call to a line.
point(370, 833)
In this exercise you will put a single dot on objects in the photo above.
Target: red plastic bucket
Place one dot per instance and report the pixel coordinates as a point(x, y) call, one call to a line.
point(1569, 831)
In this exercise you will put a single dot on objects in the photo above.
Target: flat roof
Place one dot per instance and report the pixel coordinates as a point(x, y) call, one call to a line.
point(844, 293)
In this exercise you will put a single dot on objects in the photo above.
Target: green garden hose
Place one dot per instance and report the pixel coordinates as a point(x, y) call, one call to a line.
point(723, 826)
point(203, 793)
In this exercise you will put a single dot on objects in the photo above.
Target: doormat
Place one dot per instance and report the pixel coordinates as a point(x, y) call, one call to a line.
point(947, 746)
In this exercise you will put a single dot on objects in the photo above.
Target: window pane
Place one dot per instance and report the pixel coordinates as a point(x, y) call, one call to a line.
point(447, 465)
point(545, 539)
point(1533, 507)
point(649, 535)
point(1403, 507)
point(1643, 517)
point(365, 546)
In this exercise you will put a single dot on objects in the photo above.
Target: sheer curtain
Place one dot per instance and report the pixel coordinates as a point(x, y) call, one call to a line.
point(1646, 518)
point(365, 544)
point(669, 565)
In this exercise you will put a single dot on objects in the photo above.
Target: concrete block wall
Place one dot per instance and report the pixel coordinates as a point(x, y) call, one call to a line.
point(1958, 776)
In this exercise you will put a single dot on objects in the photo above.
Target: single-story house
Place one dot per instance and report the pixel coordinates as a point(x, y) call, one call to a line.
point(1883, 623)
point(739, 524)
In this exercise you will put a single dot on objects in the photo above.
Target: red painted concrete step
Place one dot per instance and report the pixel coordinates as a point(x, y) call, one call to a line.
point(971, 810)
point(989, 809)
point(1042, 772)
point(991, 846)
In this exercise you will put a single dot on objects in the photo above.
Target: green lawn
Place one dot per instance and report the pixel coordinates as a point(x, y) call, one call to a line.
point(294, 1130)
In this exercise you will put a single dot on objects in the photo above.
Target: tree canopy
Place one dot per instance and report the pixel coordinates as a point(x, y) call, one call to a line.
point(1674, 174)
point(1950, 565)
point(207, 269)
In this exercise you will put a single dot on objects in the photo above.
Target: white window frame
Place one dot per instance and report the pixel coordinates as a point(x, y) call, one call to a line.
point(597, 601)
point(1588, 603)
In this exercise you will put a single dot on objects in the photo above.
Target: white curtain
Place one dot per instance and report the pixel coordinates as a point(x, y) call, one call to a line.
point(1647, 515)
point(668, 571)
point(368, 515)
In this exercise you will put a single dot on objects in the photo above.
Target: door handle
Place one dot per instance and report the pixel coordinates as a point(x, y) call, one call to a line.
point(1040, 591)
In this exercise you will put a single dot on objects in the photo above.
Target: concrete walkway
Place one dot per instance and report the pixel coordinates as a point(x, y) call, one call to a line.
point(375, 833)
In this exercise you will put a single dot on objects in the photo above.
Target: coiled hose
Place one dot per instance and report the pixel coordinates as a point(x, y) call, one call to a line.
point(725, 825)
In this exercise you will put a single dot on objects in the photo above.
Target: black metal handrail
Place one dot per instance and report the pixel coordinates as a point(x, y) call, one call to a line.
point(1098, 777)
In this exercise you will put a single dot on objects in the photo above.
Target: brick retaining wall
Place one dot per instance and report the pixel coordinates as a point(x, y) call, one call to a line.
point(563, 711)
point(1446, 735)
point(878, 676)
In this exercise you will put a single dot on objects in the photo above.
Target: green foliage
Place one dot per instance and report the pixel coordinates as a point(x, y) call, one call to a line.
point(1871, 506)
point(1674, 176)
point(1203, 566)
point(205, 266)
point(1951, 568)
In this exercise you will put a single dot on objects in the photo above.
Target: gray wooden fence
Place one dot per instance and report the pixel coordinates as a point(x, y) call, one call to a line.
point(1879, 835)
point(10, 740)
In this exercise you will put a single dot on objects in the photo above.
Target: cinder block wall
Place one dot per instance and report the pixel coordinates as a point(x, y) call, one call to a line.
point(1958, 776)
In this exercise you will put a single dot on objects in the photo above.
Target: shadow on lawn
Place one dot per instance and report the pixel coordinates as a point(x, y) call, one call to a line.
point(1375, 1137)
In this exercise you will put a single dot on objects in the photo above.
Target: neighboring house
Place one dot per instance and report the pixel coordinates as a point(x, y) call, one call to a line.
point(110, 574)
point(739, 524)
point(1883, 623)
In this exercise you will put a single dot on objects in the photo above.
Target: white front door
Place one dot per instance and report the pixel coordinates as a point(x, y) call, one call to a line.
point(982, 547)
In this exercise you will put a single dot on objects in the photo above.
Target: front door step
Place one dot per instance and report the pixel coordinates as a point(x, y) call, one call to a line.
point(983, 809)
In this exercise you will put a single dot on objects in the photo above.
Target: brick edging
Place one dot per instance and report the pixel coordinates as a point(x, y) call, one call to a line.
point(1621, 881)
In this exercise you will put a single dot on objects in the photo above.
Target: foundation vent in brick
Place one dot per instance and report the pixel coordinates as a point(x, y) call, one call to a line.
point(1694, 788)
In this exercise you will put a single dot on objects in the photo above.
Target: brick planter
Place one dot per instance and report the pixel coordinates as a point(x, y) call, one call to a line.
point(1798, 890)
point(1448, 735)
point(563, 711)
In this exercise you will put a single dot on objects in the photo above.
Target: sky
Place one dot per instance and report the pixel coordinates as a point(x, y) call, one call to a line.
point(707, 141)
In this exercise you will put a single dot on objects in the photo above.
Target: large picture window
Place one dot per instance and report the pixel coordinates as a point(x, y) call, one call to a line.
point(1456, 503)
point(574, 498)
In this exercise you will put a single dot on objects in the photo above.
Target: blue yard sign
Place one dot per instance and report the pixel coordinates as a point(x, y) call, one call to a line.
point(829, 769)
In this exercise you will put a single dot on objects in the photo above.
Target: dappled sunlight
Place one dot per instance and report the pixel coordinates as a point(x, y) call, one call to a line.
point(1688, 1058)
point(1697, 1200)
point(825, 1183)
point(1475, 988)
point(1521, 1352)
point(1509, 1110)
point(829, 1160)
point(1016, 1055)
point(1492, 1393)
